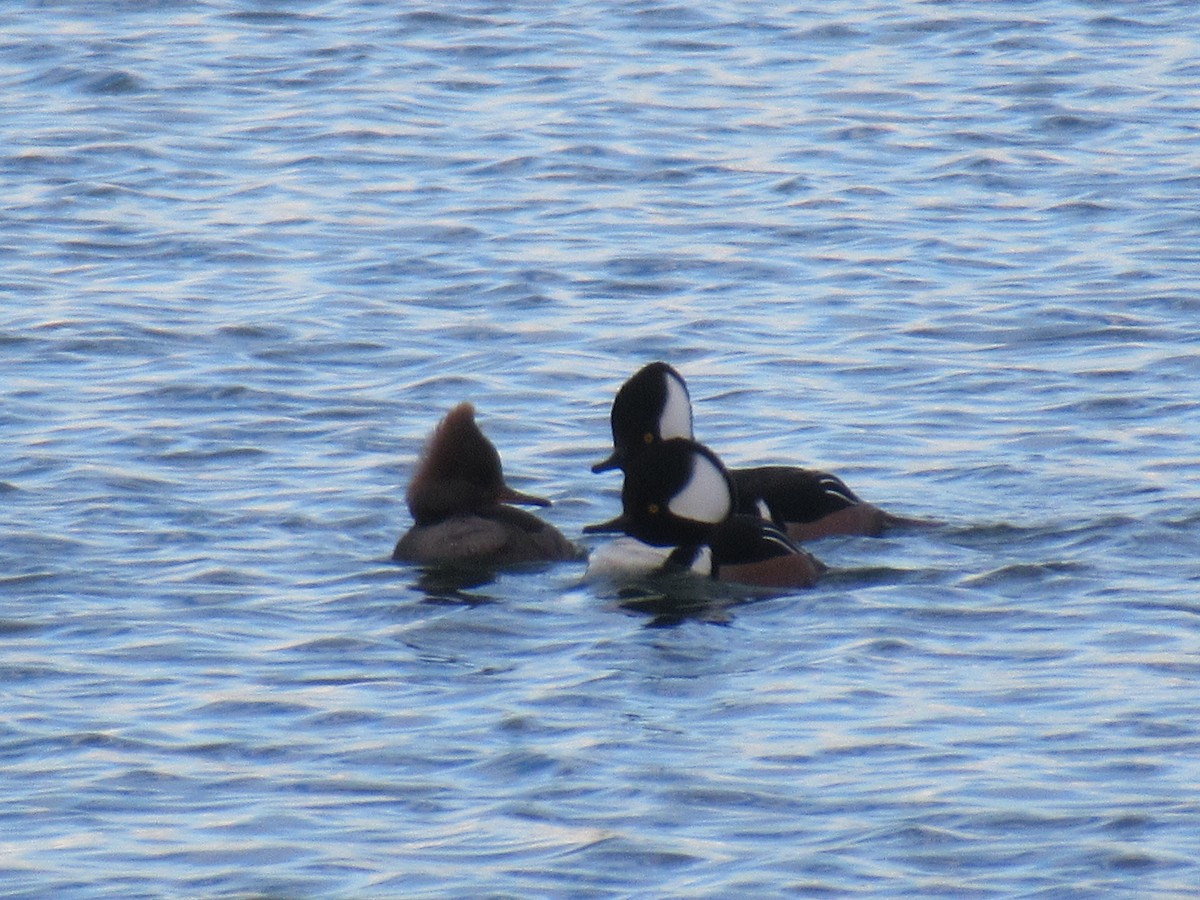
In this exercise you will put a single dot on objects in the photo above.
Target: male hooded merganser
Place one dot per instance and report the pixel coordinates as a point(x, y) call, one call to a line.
point(678, 494)
point(458, 500)
point(654, 405)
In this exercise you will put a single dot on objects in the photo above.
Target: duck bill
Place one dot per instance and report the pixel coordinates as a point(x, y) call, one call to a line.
point(615, 461)
point(508, 495)
point(612, 525)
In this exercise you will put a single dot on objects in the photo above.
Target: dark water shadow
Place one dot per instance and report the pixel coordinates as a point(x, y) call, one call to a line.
point(452, 585)
point(456, 584)
point(672, 599)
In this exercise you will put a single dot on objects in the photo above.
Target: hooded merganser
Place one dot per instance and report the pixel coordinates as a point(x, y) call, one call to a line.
point(458, 500)
point(678, 494)
point(654, 405)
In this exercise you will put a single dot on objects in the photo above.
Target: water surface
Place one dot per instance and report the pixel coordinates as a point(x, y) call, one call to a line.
point(251, 253)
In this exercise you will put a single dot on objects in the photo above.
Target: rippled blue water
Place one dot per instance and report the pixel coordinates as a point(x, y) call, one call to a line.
point(251, 252)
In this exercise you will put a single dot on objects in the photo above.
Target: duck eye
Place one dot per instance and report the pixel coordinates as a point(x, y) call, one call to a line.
point(648, 437)
point(652, 509)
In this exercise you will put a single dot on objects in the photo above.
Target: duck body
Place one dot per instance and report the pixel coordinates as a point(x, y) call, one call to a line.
point(678, 494)
point(808, 504)
point(655, 405)
point(749, 550)
point(461, 505)
point(746, 549)
point(501, 536)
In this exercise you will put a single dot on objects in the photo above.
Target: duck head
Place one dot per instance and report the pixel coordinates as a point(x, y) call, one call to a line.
point(460, 472)
point(652, 406)
point(676, 493)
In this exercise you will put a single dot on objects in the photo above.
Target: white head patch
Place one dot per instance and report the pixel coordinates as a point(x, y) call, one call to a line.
point(705, 497)
point(675, 420)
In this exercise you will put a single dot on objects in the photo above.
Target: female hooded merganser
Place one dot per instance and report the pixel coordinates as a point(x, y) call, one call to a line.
point(458, 500)
point(678, 494)
point(654, 405)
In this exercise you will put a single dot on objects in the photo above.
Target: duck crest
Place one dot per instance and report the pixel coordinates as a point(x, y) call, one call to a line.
point(707, 494)
point(675, 492)
point(459, 504)
point(652, 406)
point(459, 469)
point(675, 419)
point(460, 472)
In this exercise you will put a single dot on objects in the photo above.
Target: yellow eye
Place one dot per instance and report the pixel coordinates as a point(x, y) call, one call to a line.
point(648, 437)
point(652, 509)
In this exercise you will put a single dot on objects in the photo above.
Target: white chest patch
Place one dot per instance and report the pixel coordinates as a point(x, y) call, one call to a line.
point(705, 497)
point(626, 557)
point(675, 420)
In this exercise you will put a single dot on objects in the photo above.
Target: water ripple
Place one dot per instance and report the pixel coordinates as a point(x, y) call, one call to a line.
point(254, 254)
